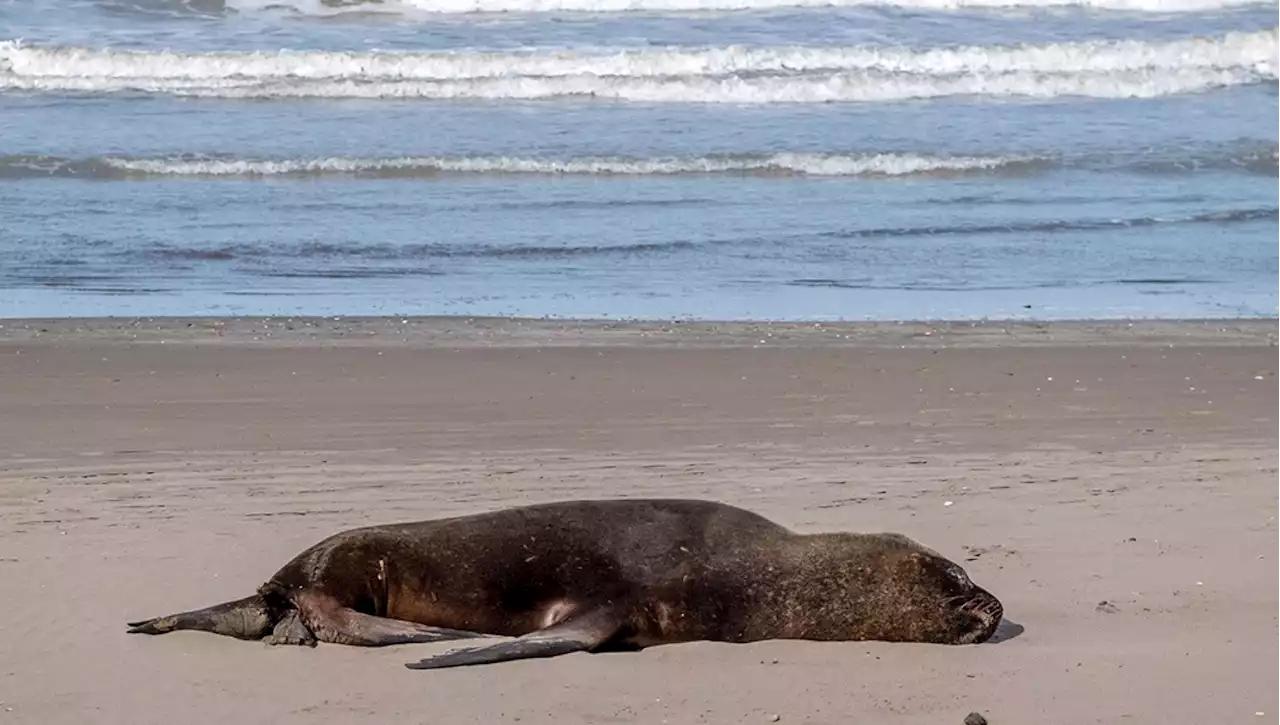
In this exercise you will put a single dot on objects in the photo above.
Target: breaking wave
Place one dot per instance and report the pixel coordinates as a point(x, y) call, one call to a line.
point(791, 164)
point(731, 74)
point(1249, 156)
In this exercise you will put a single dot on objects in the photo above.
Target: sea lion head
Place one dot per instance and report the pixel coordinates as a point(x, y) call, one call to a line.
point(936, 601)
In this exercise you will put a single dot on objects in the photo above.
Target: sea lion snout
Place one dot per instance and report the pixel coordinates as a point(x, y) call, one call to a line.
point(984, 612)
point(962, 611)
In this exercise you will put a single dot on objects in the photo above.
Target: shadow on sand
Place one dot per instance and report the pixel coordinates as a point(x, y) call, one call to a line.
point(1006, 630)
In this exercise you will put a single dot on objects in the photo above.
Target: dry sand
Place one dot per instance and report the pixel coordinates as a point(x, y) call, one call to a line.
point(149, 466)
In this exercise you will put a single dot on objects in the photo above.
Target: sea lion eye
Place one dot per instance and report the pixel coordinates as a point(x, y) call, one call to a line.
point(959, 576)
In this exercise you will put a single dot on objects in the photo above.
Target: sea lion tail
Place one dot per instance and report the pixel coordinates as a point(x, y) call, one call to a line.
point(246, 618)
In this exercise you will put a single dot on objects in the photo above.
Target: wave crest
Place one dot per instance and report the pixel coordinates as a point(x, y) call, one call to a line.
point(732, 74)
point(1252, 156)
point(780, 164)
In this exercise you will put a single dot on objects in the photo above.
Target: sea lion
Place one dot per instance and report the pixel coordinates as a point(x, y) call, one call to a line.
point(603, 575)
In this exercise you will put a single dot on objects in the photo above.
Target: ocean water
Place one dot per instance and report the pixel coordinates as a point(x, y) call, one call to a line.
point(705, 159)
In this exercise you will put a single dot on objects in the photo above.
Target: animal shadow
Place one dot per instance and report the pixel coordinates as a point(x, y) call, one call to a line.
point(1006, 630)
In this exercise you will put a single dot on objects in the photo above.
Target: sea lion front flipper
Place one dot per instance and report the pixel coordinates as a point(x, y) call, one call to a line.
point(343, 625)
point(370, 631)
point(580, 634)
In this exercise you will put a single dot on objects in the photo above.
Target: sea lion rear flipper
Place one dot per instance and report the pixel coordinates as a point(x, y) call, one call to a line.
point(244, 618)
point(291, 630)
point(580, 634)
point(343, 625)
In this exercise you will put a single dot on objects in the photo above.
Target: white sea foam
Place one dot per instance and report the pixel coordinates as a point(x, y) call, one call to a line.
point(884, 164)
point(828, 89)
point(436, 7)
point(733, 74)
point(1232, 50)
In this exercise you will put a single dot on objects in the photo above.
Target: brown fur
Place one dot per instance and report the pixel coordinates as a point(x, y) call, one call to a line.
point(606, 574)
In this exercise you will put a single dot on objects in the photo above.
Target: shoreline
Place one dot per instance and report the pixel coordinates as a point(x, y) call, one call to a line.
point(461, 332)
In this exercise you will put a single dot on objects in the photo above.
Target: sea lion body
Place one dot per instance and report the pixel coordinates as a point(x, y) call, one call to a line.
point(592, 575)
